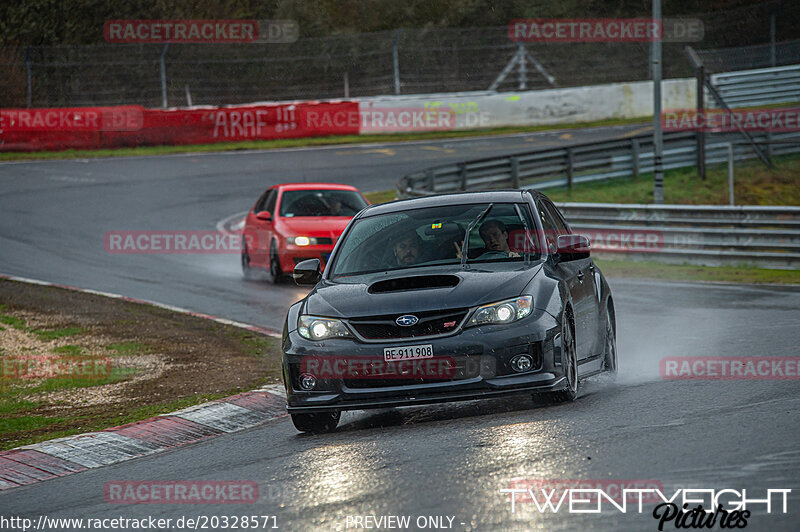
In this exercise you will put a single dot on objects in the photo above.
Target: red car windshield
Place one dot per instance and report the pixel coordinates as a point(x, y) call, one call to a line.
point(295, 203)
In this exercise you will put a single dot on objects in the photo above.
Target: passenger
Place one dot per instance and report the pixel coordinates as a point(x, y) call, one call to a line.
point(495, 236)
point(407, 249)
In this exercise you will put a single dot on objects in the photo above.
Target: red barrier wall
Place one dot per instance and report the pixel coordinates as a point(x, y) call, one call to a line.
point(129, 126)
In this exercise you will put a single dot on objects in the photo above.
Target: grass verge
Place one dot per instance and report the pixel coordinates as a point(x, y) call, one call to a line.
point(72, 362)
point(754, 184)
point(688, 272)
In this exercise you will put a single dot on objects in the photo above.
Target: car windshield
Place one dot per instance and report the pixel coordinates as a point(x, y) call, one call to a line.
point(321, 203)
point(435, 236)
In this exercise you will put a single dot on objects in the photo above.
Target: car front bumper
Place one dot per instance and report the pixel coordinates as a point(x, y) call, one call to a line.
point(292, 255)
point(487, 350)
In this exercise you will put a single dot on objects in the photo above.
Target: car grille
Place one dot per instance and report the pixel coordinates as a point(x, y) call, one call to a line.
point(466, 367)
point(432, 323)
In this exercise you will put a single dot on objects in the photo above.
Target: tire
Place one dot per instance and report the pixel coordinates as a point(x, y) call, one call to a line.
point(569, 361)
point(247, 270)
point(319, 422)
point(610, 363)
point(275, 273)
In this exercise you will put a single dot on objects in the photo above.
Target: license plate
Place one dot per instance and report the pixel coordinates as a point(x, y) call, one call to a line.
point(325, 257)
point(411, 352)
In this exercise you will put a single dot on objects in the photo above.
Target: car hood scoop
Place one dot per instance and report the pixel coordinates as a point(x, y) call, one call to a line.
point(403, 294)
point(417, 282)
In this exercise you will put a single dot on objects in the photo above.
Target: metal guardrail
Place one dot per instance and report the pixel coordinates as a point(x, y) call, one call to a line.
point(701, 234)
point(764, 86)
point(549, 167)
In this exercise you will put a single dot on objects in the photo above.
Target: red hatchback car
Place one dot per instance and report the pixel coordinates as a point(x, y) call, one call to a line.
point(293, 222)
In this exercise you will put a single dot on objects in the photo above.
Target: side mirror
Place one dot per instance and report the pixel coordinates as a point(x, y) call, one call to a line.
point(264, 215)
point(308, 272)
point(572, 247)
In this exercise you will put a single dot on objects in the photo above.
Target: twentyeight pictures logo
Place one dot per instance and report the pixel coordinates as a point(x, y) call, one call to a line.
point(200, 31)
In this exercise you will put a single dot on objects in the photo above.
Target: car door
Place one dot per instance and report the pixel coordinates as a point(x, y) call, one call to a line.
point(575, 274)
point(263, 229)
point(591, 282)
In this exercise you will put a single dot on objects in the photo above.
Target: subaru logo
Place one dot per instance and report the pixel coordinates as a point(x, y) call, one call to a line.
point(407, 320)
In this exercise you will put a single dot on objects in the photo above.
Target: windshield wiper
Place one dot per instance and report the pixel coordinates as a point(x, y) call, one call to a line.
point(528, 238)
point(465, 244)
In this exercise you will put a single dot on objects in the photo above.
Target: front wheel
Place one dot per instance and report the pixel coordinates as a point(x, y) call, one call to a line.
point(274, 265)
point(610, 351)
point(317, 422)
point(247, 269)
point(569, 361)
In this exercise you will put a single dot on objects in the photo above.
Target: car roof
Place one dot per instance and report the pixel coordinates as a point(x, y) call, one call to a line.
point(499, 196)
point(314, 186)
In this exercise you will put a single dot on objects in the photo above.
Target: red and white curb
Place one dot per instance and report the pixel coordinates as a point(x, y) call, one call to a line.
point(63, 456)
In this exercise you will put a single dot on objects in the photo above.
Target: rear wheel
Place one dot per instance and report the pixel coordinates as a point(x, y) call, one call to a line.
point(317, 422)
point(569, 361)
point(610, 350)
point(274, 265)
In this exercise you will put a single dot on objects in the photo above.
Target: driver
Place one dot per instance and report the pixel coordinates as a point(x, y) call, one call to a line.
point(407, 249)
point(335, 207)
point(495, 236)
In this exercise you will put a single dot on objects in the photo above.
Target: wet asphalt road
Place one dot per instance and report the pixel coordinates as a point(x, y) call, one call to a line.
point(54, 214)
point(442, 460)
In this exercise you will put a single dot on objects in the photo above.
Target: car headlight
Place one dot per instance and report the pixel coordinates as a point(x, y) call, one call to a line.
point(315, 328)
point(506, 311)
point(302, 240)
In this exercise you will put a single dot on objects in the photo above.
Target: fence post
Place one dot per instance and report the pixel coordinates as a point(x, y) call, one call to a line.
point(569, 168)
point(430, 180)
point(163, 76)
point(730, 172)
point(701, 136)
point(635, 157)
point(523, 70)
point(396, 61)
point(514, 172)
point(462, 173)
point(772, 15)
point(346, 86)
point(28, 69)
